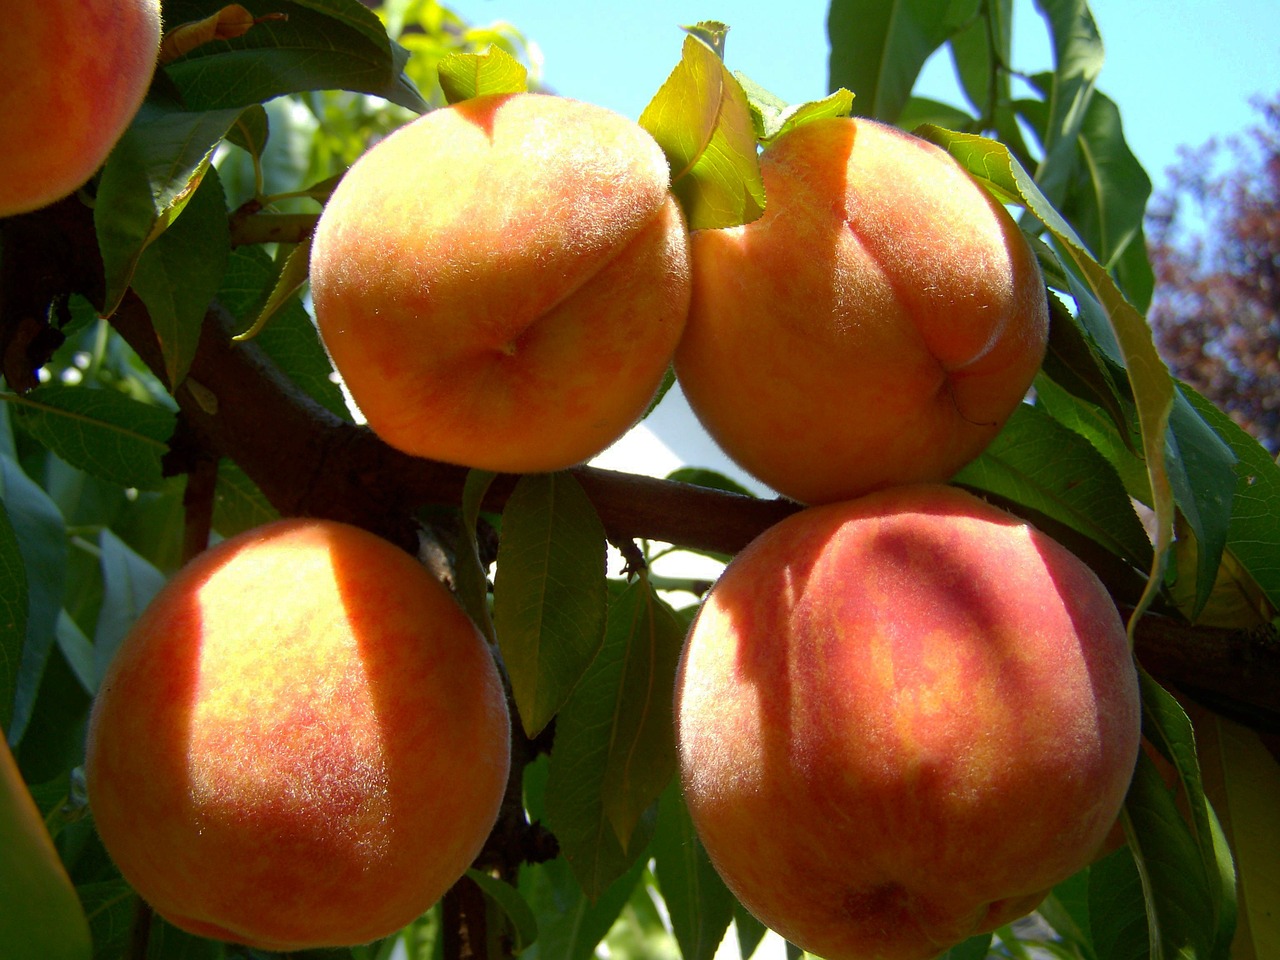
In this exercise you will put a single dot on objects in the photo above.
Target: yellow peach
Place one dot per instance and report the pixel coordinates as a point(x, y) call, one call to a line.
point(878, 324)
point(901, 720)
point(302, 742)
point(72, 75)
point(502, 283)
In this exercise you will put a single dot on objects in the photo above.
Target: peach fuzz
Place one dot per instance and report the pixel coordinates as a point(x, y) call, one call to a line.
point(72, 75)
point(877, 325)
point(302, 742)
point(903, 719)
point(502, 283)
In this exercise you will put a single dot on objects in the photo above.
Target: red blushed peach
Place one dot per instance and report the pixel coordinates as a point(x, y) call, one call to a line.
point(878, 324)
point(302, 742)
point(72, 75)
point(502, 283)
point(902, 720)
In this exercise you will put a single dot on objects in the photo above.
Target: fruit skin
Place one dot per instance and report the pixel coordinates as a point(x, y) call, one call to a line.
point(876, 326)
point(302, 742)
point(72, 75)
point(502, 283)
point(901, 720)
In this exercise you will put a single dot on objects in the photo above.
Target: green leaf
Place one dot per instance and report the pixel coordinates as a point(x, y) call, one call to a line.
point(634, 697)
point(147, 181)
point(1180, 913)
point(290, 339)
point(772, 117)
point(549, 593)
point(292, 277)
point(13, 615)
point(879, 46)
point(614, 750)
point(750, 931)
point(1038, 462)
point(129, 583)
point(1202, 472)
point(1078, 56)
point(922, 110)
point(100, 431)
point(322, 45)
point(1253, 535)
point(178, 275)
point(467, 75)
point(472, 579)
point(1108, 200)
point(699, 903)
point(975, 948)
point(1066, 910)
point(992, 164)
point(1117, 909)
point(523, 923)
point(978, 51)
point(1167, 726)
point(238, 504)
point(572, 923)
point(42, 918)
point(110, 906)
point(701, 119)
point(251, 131)
point(42, 540)
point(704, 477)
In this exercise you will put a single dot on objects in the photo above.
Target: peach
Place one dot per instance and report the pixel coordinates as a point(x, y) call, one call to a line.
point(302, 742)
point(878, 324)
point(901, 720)
point(502, 283)
point(72, 75)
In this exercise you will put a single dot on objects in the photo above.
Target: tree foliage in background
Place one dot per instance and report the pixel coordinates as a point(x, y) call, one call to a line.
point(133, 426)
point(1215, 247)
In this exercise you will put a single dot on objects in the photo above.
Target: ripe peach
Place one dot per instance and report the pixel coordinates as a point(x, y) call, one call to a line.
point(901, 720)
point(502, 283)
point(878, 324)
point(72, 75)
point(302, 742)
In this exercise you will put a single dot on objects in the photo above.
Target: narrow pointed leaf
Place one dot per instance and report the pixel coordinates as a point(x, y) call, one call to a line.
point(178, 275)
point(1078, 57)
point(290, 339)
point(701, 119)
point(129, 583)
point(549, 594)
point(699, 903)
point(614, 751)
point(879, 46)
point(100, 431)
point(472, 578)
point(1036, 461)
point(41, 535)
point(41, 917)
point(251, 131)
point(150, 176)
point(1253, 534)
point(312, 45)
point(642, 758)
point(293, 276)
point(1180, 918)
point(467, 75)
point(13, 616)
point(1167, 725)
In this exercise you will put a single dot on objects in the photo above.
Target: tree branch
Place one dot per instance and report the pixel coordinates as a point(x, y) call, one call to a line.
point(309, 462)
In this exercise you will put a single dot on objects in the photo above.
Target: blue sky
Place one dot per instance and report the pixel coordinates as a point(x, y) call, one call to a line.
point(1182, 71)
